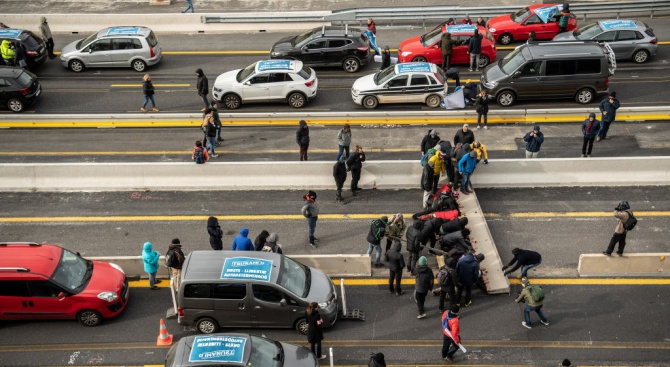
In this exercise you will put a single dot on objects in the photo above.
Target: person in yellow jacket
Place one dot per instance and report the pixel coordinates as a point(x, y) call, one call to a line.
point(481, 151)
point(7, 53)
point(438, 167)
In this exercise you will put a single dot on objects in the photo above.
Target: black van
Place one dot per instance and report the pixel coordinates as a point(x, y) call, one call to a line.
point(549, 70)
point(34, 46)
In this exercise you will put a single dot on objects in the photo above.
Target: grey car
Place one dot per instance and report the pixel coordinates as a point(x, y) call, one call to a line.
point(237, 350)
point(629, 39)
point(135, 47)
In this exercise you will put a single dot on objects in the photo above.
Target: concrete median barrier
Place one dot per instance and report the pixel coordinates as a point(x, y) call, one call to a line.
point(630, 265)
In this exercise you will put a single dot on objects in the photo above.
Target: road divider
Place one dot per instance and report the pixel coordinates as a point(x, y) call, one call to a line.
point(432, 117)
point(629, 265)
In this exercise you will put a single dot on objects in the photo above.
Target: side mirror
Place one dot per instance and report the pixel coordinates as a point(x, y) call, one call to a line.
point(247, 82)
point(516, 74)
point(283, 302)
point(61, 296)
point(386, 86)
point(304, 49)
point(90, 50)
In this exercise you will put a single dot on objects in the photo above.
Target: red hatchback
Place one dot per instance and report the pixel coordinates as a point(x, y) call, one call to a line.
point(541, 18)
point(42, 281)
point(428, 47)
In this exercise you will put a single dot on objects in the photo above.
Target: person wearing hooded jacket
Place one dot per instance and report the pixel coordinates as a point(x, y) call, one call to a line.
point(427, 178)
point(45, 32)
point(340, 176)
point(466, 166)
point(608, 108)
point(534, 140)
point(467, 269)
point(271, 245)
point(474, 50)
point(375, 235)
point(429, 141)
point(215, 233)
point(447, 45)
point(396, 266)
point(7, 52)
point(203, 87)
point(355, 165)
point(439, 167)
point(377, 360)
point(394, 230)
point(242, 242)
point(414, 237)
point(525, 259)
point(447, 279)
point(423, 285)
point(590, 129)
point(150, 260)
point(175, 252)
point(302, 139)
point(260, 240)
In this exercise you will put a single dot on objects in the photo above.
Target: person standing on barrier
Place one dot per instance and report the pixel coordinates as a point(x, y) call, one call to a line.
point(590, 129)
point(314, 329)
point(340, 176)
point(524, 259)
point(355, 165)
point(174, 259)
point(396, 266)
point(344, 141)
point(423, 285)
point(215, 234)
point(608, 109)
point(622, 212)
point(534, 140)
point(310, 210)
point(302, 139)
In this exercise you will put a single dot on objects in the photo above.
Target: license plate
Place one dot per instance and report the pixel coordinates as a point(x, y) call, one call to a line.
point(38, 92)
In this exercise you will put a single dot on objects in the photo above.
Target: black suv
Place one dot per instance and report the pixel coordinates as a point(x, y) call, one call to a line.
point(18, 88)
point(326, 46)
point(35, 48)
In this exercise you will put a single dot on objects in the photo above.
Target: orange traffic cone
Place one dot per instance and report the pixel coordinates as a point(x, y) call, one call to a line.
point(163, 337)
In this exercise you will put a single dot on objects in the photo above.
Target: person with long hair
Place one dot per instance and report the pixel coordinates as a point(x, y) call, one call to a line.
point(314, 329)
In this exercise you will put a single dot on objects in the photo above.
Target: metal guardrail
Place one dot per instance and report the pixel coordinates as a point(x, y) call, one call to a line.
point(427, 13)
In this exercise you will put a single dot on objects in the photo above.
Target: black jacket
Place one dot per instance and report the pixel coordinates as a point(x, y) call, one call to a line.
point(482, 104)
point(215, 233)
point(453, 225)
point(202, 85)
point(355, 162)
point(340, 173)
point(427, 178)
point(414, 236)
point(475, 44)
point(148, 88)
point(180, 255)
point(302, 135)
point(377, 230)
point(524, 257)
point(314, 330)
point(467, 269)
point(396, 258)
point(260, 240)
point(429, 142)
point(424, 279)
point(467, 137)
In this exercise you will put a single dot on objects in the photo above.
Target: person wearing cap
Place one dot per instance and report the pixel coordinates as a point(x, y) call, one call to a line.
point(447, 279)
point(450, 333)
point(343, 141)
point(467, 269)
point(622, 212)
point(480, 149)
point(534, 140)
point(396, 265)
point(375, 235)
point(302, 139)
point(466, 166)
point(608, 109)
point(429, 141)
point(174, 259)
point(531, 305)
point(423, 285)
point(395, 230)
point(340, 176)
point(310, 210)
point(525, 259)
point(355, 165)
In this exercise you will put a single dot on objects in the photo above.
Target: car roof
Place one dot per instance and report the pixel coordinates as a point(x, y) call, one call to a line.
point(127, 31)
point(258, 266)
point(231, 349)
point(335, 31)
point(10, 71)
point(278, 64)
point(414, 67)
point(611, 24)
point(10, 33)
point(542, 50)
point(36, 258)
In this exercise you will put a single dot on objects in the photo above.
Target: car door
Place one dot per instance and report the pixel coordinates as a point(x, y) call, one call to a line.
point(528, 81)
point(559, 78)
point(395, 90)
point(542, 30)
point(336, 51)
point(15, 300)
point(313, 52)
point(122, 51)
point(433, 52)
point(625, 44)
point(459, 53)
point(272, 308)
point(98, 53)
point(231, 304)
point(279, 84)
point(256, 88)
point(5, 91)
point(419, 88)
point(47, 304)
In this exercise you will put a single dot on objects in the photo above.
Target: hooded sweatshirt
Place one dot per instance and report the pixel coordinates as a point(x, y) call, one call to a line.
point(533, 143)
point(447, 44)
point(271, 245)
point(424, 279)
point(202, 84)
point(150, 258)
point(377, 230)
point(467, 164)
point(302, 135)
point(215, 233)
point(429, 141)
point(467, 269)
point(344, 137)
point(6, 49)
point(414, 236)
point(475, 44)
point(340, 173)
point(242, 242)
point(396, 258)
point(260, 240)
point(592, 132)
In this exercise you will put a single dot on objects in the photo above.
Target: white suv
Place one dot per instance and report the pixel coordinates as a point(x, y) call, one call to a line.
point(266, 81)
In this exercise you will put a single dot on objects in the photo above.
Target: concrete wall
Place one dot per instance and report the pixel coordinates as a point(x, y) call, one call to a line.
point(641, 265)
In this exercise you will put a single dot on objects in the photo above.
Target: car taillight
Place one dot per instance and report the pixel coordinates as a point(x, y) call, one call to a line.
point(607, 81)
point(363, 48)
point(25, 91)
point(654, 41)
point(31, 53)
point(151, 50)
point(309, 83)
point(180, 311)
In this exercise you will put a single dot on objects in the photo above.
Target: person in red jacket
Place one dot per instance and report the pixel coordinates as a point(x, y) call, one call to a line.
point(450, 333)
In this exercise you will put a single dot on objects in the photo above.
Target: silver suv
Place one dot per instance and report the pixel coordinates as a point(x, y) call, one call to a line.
point(135, 47)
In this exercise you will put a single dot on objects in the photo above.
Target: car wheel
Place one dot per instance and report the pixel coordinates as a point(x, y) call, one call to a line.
point(370, 102)
point(584, 96)
point(641, 56)
point(301, 326)
point(139, 65)
point(506, 98)
point(207, 325)
point(351, 65)
point(419, 59)
point(296, 99)
point(232, 101)
point(433, 101)
point(89, 317)
point(483, 61)
point(15, 105)
point(505, 38)
point(76, 66)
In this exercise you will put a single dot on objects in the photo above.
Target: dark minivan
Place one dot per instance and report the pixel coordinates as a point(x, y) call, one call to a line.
point(19, 88)
point(34, 46)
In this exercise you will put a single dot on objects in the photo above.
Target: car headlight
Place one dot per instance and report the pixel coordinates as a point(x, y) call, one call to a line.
point(492, 30)
point(324, 304)
point(490, 85)
point(406, 53)
point(355, 91)
point(276, 53)
point(108, 296)
point(115, 266)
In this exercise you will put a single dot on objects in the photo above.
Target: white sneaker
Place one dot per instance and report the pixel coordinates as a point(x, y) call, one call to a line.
point(546, 323)
point(323, 357)
point(313, 245)
point(486, 127)
point(526, 326)
point(478, 127)
point(421, 316)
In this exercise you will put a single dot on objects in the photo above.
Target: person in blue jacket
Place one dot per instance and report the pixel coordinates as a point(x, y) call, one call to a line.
point(242, 241)
point(466, 166)
point(608, 108)
point(467, 270)
point(534, 140)
point(590, 129)
point(150, 259)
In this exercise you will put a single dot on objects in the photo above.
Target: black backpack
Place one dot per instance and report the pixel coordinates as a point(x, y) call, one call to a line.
point(198, 156)
point(173, 259)
point(630, 222)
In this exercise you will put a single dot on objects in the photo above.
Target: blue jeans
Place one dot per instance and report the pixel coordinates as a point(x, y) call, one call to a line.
point(189, 5)
point(152, 279)
point(378, 248)
point(343, 149)
point(465, 183)
point(211, 142)
point(604, 129)
point(525, 268)
point(146, 101)
point(528, 309)
point(311, 223)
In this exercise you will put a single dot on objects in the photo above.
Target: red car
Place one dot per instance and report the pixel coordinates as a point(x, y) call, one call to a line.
point(42, 281)
point(428, 47)
point(541, 18)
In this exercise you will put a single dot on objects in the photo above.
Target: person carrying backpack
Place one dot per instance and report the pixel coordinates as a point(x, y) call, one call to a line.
point(447, 279)
point(199, 154)
point(375, 235)
point(377, 360)
point(626, 222)
point(174, 259)
point(533, 297)
point(271, 245)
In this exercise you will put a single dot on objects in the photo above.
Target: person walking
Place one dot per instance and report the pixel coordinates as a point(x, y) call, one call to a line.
point(241, 242)
point(209, 127)
point(525, 259)
point(372, 27)
point(394, 231)
point(343, 141)
point(608, 109)
point(534, 140)
point(427, 178)
point(429, 141)
point(45, 32)
point(415, 239)
point(590, 129)
point(482, 106)
point(314, 329)
point(355, 165)
point(302, 139)
point(467, 269)
point(189, 6)
point(217, 122)
point(447, 45)
point(174, 259)
point(423, 285)
point(148, 90)
point(150, 260)
point(466, 166)
point(474, 50)
point(450, 333)
point(340, 176)
point(215, 233)
point(396, 266)
point(199, 154)
point(622, 212)
point(203, 88)
point(533, 297)
point(7, 52)
point(260, 240)
point(447, 280)
point(310, 210)
point(375, 235)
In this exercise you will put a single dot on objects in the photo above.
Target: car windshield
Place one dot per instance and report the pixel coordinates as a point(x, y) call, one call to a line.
point(431, 37)
point(587, 32)
point(520, 15)
point(86, 40)
point(512, 61)
point(25, 79)
point(384, 75)
point(301, 38)
point(152, 40)
point(265, 352)
point(295, 277)
point(246, 72)
point(72, 272)
point(305, 73)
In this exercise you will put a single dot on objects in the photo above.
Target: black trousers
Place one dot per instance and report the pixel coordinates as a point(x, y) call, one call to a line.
point(397, 277)
point(446, 62)
point(420, 300)
point(355, 176)
point(617, 238)
point(468, 294)
point(303, 152)
point(449, 292)
point(50, 47)
point(316, 348)
point(411, 262)
point(479, 118)
point(588, 142)
point(447, 342)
